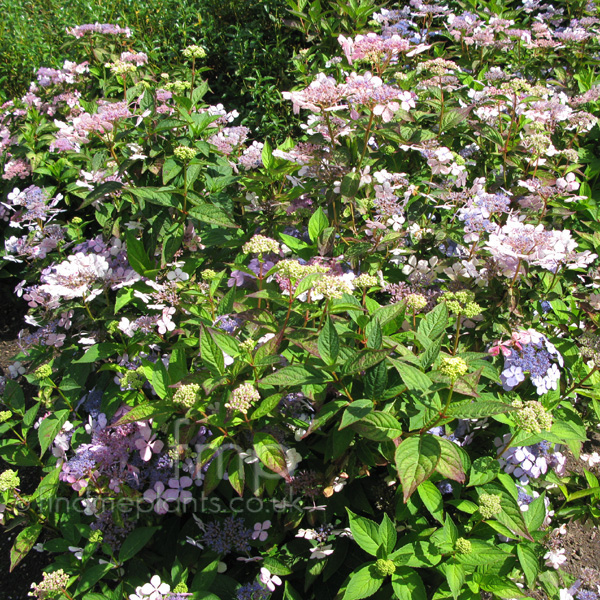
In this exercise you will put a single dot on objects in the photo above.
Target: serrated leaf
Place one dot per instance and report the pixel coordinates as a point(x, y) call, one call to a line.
point(483, 470)
point(142, 412)
point(412, 377)
point(432, 499)
point(529, 564)
point(455, 576)
point(294, 375)
point(450, 464)
point(510, 515)
point(350, 184)
point(213, 215)
point(365, 533)
point(329, 342)
point(388, 534)
point(378, 426)
point(363, 583)
point(211, 354)
point(270, 453)
point(317, 224)
point(375, 337)
point(23, 544)
point(363, 360)
point(435, 322)
point(501, 586)
point(482, 554)
point(375, 381)
point(236, 474)
point(267, 155)
point(266, 406)
point(355, 412)
point(408, 585)
point(477, 410)
point(535, 515)
point(416, 460)
point(50, 427)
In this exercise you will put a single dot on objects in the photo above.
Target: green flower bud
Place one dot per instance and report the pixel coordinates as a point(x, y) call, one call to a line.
point(5, 415)
point(43, 372)
point(365, 281)
point(461, 303)
point(261, 244)
point(463, 546)
point(96, 536)
point(453, 367)
point(247, 345)
point(76, 220)
point(187, 395)
point(194, 52)
point(208, 274)
point(9, 480)
point(185, 153)
point(385, 567)
point(490, 505)
point(416, 302)
point(532, 417)
point(180, 588)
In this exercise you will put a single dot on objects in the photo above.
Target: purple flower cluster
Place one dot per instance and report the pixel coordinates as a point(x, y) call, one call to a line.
point(529, 462)
point(229, 535)
point(539, 358)
point(252, 591)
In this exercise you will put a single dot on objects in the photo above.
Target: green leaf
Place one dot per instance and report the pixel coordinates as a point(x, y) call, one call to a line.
point(329, 342)
point(317, 224)
point(91, 576)
point(270, 453)
point(375, 337)
point(477, 410)
point(124, 297)
point(432, 499)
point(135, 541)
point(412, 377)
point(50, 427)
point(267, 156)
point(388, 534)
point(529, 563)
point(435, 322)
point(363, 583)
point(450, 464)
point(160, 196)
point(365, 533)
point(23, 544)
point(455, 576)
point(276, 567)
point(211, 354)
point(350, 184)
point(293, 375)
point(375, 381)
point(536, 513)
point(48, 486)
point(148, 410)
point(416, 460)
point(236, 474)
point(213, 215)
point(363, 360)
point(266, 406)
point(408, 585)
point(378, 426)
point(482, 554)
point(511, 515)
point(356, 411)
point(98, 352)
point(501, 586)
point(483, 470)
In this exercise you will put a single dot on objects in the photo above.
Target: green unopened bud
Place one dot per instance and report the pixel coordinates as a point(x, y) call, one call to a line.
point(532, 416)
point(463, 546)
point(461, 303)
point(187, 395)
point(180, 588)
point(96, 536)
point(9, 480)
point(43, 372)
point(194, 52)
point(208, 274)
point(490, 505)
point(365, 281)
point(247, 345)
point(385, 567)
point(133, 380)
point(185, 153)
point(76, 220)
point(112, 326)
point(261, 244)
point(453, 367)
point(5, 415)
point(416, 302)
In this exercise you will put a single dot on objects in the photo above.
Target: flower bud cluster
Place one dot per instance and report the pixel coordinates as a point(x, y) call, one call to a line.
point(187, 395)
point(185, 153)
point(532, 417)
point(5, 415)
point(462, 303)
point(416, 302)
point(133, 380)
point(52, 583)
point(463, 546)
point(261, 244)
point(365, 281)
point(43, 372)
point(453, 367)
point(331, 286)
point(194, 52)
point(292, 269)
point(242, 398)
point(9, 480)
point(490, 505)
point(385, 567)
